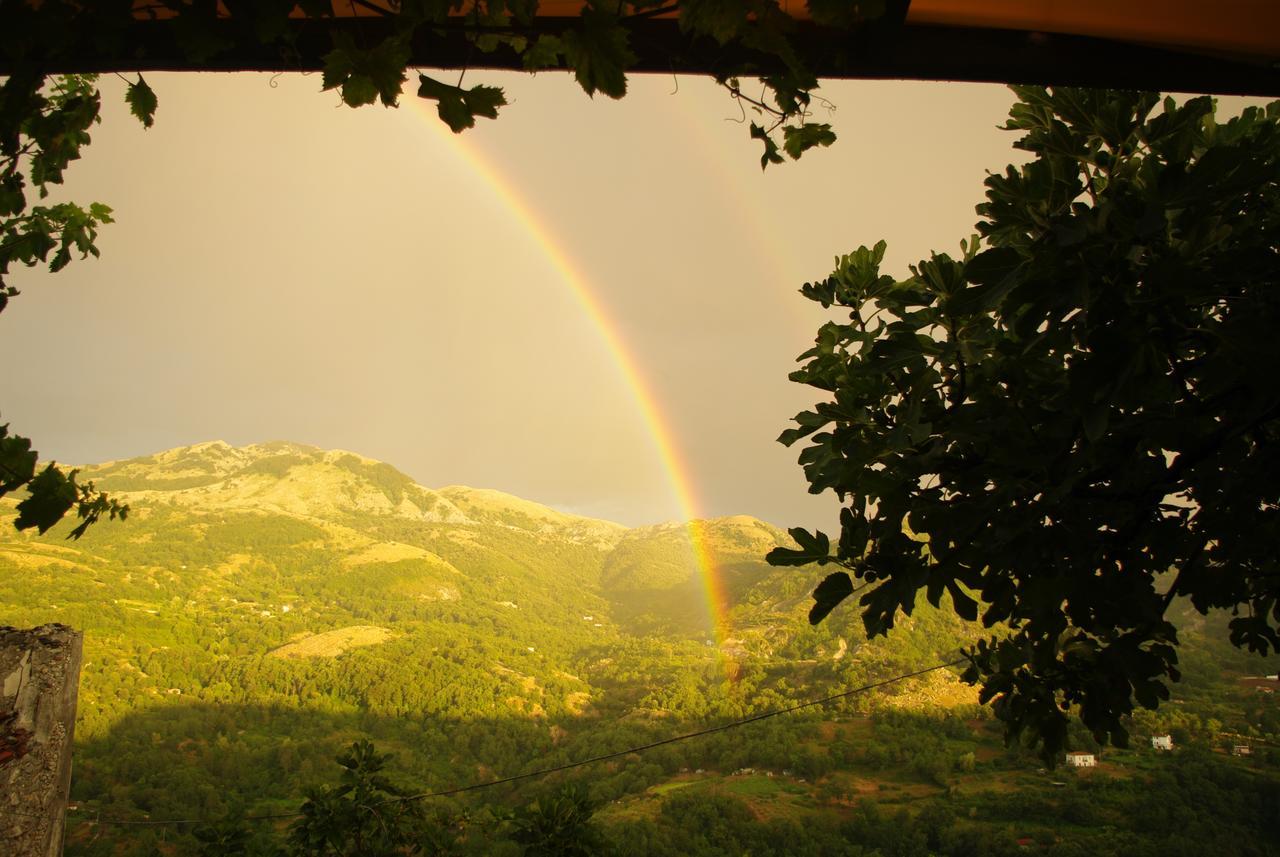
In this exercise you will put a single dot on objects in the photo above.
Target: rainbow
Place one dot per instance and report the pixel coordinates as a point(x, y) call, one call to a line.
point(733, 184)
point(657, 425)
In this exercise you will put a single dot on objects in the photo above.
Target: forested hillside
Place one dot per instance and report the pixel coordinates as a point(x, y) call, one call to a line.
point(264, 607)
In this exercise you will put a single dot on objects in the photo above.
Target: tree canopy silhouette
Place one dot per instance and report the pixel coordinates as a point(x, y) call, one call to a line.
point(1076, 420)
point(42, 130)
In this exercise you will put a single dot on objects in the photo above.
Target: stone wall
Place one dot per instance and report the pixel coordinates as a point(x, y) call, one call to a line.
point(39, 676)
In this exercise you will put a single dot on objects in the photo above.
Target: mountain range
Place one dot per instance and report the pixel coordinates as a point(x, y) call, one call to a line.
point(270, 545)
point(356, 507)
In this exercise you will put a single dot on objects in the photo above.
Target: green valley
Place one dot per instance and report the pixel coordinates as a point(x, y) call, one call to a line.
point(264, 607)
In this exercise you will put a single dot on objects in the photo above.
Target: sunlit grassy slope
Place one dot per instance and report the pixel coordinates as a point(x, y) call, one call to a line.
point(264, 605)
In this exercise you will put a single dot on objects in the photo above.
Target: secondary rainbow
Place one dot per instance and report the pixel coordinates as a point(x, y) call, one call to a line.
point(664, 442)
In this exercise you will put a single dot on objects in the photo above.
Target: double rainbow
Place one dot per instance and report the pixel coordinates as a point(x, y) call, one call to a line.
point(657, 425)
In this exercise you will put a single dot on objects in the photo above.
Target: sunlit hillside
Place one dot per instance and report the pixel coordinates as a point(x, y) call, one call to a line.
point(264, 606)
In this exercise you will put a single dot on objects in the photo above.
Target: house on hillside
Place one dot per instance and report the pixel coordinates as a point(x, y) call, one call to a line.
point(1081, 759)
point(1241, 750)
point(1161, 742)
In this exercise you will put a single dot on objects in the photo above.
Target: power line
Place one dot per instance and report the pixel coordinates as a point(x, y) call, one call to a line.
point(675, 739)
point(542, 772)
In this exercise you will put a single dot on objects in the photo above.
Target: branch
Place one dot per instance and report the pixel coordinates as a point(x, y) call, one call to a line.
point(652, 13)
point(1177, 580)
point(737, 93)
point(957, 395)
point(381, 11)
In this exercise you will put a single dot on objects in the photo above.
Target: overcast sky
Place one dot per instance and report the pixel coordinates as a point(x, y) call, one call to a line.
point(286, 268)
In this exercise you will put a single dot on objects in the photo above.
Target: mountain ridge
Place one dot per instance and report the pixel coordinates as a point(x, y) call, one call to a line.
point(287, 505)
point(215, 473)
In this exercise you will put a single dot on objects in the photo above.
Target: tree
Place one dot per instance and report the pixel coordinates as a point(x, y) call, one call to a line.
point(364, 816)
point(1076, 420)
point(43, 126)
point(558, 825)
point(229, 839)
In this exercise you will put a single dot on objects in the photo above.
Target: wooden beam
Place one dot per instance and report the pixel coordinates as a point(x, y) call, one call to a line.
point(911, 52)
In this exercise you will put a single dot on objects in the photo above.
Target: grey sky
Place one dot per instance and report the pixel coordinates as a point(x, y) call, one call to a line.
point(283, 268)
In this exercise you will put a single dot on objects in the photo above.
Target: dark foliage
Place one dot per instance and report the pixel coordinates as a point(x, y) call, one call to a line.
point(1080, 403)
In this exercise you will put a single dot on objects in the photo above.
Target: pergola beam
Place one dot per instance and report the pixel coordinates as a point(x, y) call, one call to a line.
point(909, 52)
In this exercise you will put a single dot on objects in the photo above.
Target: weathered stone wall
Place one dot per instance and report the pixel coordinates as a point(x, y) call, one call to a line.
point(39, 677)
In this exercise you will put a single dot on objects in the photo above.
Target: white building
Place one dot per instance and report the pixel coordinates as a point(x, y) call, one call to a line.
point(1079, 759)
point(1162, 742)
point(1241, 750)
